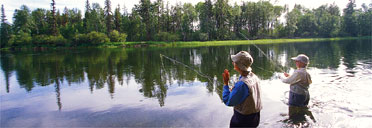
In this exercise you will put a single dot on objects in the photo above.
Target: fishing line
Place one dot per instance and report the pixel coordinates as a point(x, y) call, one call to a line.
point(265, 70)
point(197, 71)
point(285, 100)
point(259, 49)
point(210, 79)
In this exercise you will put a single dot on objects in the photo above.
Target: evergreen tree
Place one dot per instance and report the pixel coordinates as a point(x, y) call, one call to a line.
point(3, 17)
point(54, 20)
point(108, 16)
point(65, 17)
point(125, 21)
point(87, 21)
point(98, 19)
point(168, 18)
point(39, 17)
point(4, 29)
point(144, 9)
point(117, 18)
point(176, 18)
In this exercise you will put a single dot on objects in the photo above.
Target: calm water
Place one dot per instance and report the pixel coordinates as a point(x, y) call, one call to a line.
point(138, 87)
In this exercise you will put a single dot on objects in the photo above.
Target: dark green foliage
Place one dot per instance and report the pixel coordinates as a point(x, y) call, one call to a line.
point(144, 10)
point(115, 36)
point(50, 40)
point(328, 20)
point(108, 16)
point(53, 21)
point(159, 21)
point(205, 11)
point(97, 18)
point(222, 14)
point(5, 29)
point(188, 18)
point(324, 21)
point(39, 18)
point(92, 38)
point(349, 25)
point(365, 21)
point(22, 20)
point(168, 37)
point(117, 19)
point(87, 21)
point(22, 38)
point(203, 36)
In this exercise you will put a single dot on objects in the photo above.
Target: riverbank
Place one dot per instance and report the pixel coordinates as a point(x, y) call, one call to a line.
point(191, 43)
point(226, 42)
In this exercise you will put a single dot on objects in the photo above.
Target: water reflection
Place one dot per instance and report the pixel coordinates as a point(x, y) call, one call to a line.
point(299, 117)
point(95, 70)
point(103, 67)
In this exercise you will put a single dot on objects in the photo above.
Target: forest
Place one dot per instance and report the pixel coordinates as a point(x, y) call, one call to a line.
point(160, 21)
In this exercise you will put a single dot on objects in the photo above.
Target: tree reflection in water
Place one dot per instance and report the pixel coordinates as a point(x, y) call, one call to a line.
point(105, 67)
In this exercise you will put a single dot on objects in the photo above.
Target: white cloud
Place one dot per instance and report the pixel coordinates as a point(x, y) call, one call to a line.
point(11, 5)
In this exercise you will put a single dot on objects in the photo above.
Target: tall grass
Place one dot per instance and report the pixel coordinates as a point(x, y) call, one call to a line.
point(233, 42)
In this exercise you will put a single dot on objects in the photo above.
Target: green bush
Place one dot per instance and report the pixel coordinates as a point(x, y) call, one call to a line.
point(91, 38)
point(57, 40)
point(20, 39)
point(49, 40)
point(165, 36)
point(39, 39)
point(115, 36)
point(203, 36)
point(80, 39)
point(97, 38)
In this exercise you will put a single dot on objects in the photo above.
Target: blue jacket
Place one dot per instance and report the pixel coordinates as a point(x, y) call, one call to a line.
point(237, 95)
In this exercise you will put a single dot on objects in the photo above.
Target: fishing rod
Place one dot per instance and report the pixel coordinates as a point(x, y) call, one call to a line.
point(280, 68)
point(259, 49)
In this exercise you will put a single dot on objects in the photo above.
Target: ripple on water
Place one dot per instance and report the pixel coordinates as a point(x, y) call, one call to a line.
point(342, 95)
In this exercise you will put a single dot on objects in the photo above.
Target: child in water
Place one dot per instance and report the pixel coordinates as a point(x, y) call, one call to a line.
point(299, 82)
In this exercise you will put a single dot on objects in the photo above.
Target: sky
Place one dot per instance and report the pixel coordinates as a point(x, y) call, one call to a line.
point(11, 5)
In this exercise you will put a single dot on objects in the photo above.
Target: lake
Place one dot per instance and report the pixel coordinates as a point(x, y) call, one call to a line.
point(180, 87)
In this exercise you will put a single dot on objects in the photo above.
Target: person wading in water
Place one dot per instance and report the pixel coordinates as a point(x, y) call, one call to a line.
point(245, 95)
point(299, 81)
point(299, 95)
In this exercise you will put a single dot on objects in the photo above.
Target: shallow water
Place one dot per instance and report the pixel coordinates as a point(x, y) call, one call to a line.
point(138, 87)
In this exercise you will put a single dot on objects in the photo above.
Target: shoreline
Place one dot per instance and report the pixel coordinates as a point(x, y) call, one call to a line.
point(188, 43)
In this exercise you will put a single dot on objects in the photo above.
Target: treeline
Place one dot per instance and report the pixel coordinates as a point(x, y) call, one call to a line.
point(158, 21)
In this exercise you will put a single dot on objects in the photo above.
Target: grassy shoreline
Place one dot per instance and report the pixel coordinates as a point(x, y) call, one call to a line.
point(192, 43)
point(231, 42)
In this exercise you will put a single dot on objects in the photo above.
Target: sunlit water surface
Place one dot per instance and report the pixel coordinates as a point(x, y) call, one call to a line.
point(139, 88)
